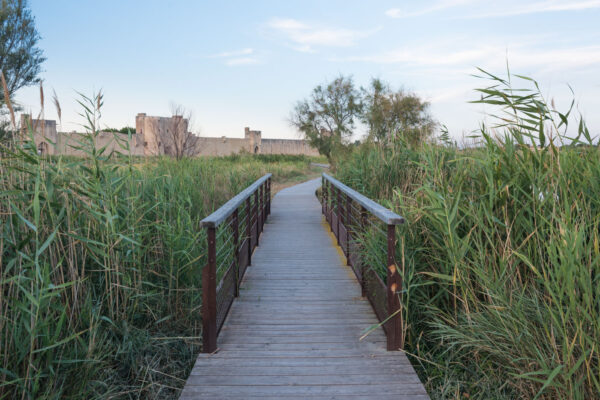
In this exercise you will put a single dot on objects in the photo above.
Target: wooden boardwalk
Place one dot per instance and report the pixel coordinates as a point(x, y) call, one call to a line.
point(294, 331)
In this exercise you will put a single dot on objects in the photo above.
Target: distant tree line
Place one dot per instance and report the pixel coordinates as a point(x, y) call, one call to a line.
point(328, 117)
point(20, 58)
point(125, 130)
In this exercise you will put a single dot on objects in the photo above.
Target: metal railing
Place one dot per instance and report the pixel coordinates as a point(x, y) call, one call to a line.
point(356, 221)
point(233, 232)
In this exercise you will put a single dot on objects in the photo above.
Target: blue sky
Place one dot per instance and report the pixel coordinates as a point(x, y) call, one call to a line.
point(245, 63)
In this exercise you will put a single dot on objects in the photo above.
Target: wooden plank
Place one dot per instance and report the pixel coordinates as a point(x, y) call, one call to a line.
point(373, 390)
point(295, 380)
point(295, 331)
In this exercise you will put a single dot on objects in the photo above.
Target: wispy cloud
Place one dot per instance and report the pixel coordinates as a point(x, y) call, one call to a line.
point(436, 6)
point(237, 57)
point(465, 55)
point(305, 37)
point(235, 53)
point(485, 9)
point(536, 8)
point(241, 61)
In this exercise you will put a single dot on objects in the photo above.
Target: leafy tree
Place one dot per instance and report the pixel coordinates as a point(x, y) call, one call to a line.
point(20, 58)
point(327, 117)
point(392, 115)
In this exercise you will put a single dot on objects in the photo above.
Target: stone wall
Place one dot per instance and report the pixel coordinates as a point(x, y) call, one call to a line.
point(69, 143)
point(287, 146)
point(160, 136)
point(49, 141)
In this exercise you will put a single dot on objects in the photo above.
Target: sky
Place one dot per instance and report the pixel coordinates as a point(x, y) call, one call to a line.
point(246, 63)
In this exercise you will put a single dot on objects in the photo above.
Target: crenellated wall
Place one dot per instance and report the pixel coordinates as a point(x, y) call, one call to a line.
point(160, 136)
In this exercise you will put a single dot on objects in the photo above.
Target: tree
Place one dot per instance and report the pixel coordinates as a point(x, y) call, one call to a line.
point(391, 115)
point(327, 117)
point(20, 58)
point(179, 141)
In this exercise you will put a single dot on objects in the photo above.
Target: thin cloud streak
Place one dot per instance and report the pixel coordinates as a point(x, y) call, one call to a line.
point(486, 55)
point(538, 8)
point(305, 37)
point(438, 6)
point(242, 61)
point(498, 9)
point(236, 53)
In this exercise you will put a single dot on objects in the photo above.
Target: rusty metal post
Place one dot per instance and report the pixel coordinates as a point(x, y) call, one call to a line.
point(264, 204)
point(249, 230)
point(394, 291)
point(348, 225)
point(209, 297)
point(363, 222)
point(236, 251)
point(325, 200)
point(269, 196)
point(256, 215)
point(260, 208)
point(339, 213)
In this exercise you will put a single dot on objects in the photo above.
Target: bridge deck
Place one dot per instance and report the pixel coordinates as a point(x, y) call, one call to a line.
point(294, 331)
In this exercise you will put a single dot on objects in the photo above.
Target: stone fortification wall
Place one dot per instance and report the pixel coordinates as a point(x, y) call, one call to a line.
point(68, 143)
point(49, 141)
point(287, 146)
point(160, 136)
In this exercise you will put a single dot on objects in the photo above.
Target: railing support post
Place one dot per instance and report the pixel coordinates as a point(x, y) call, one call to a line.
point(209, 296)
point(348, 225)
point(363, 221)
point(269, 196)
point(394, 291)
point(323, 195)
point(256, 205)
point(249, 230)
point(339, 212)
point(236, 251)
point(260, 208)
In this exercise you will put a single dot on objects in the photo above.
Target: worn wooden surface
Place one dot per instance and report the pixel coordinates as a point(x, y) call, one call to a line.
point(294, 331)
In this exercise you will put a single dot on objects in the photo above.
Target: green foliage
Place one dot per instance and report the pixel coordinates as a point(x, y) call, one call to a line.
point(500, 255)
point(125, 130)
point(391, 115)
point(20, 58)
point(327, 117)
point(101, 259)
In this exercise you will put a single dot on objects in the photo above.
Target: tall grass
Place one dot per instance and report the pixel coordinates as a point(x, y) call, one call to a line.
point(501, 253)
point(101, 260)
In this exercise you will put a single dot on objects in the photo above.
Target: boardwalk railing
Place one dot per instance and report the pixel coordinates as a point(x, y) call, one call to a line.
point(233, 231)
point(351, 216)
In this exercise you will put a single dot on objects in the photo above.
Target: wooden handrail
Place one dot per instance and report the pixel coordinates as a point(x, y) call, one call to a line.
point(217, 217)
point(387, 216)
point(255, 204)
point(347, 226)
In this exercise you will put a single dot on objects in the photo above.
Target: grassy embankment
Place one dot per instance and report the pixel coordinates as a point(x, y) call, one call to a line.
point(101, 261)
point(500, 254)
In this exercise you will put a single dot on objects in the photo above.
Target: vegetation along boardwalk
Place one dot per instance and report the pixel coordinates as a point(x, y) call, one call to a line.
point(294, 331)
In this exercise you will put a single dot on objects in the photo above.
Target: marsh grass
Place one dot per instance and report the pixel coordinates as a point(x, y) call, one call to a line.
point(101, 259)
point(500, 254)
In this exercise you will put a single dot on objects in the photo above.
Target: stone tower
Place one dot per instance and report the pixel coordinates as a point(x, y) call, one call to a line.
point(254, 139)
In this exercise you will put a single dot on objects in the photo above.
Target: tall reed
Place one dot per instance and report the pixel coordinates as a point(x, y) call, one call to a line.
point(101, 260)
point(501, 253)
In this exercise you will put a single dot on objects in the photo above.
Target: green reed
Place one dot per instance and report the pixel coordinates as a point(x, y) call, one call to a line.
point(501, 251)
point(101, 259)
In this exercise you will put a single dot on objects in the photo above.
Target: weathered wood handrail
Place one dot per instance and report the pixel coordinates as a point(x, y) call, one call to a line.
point(386, 216)
point(230, 260)
point(347, 212)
